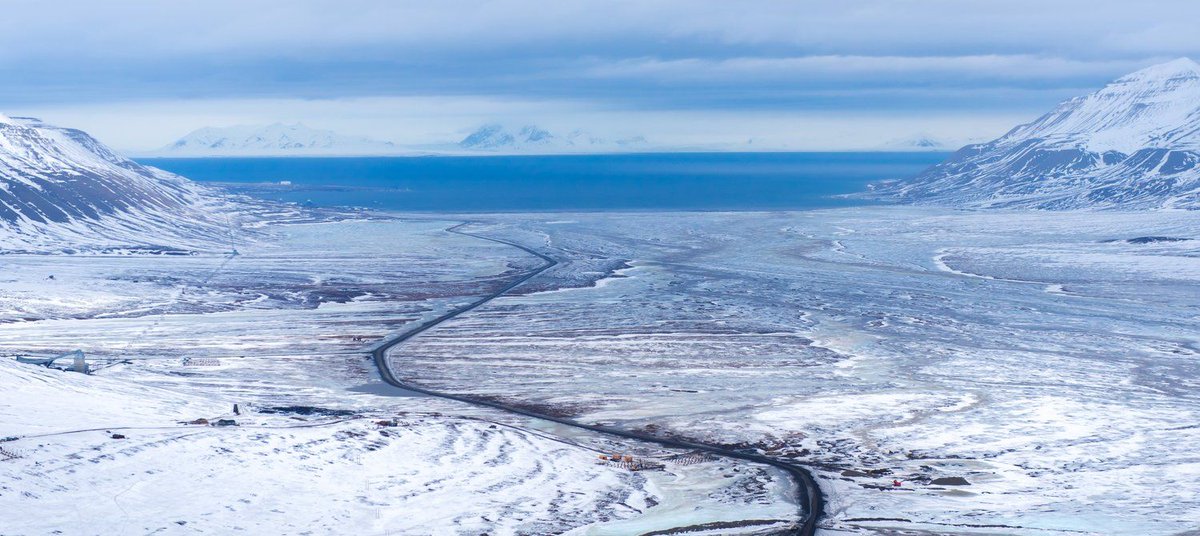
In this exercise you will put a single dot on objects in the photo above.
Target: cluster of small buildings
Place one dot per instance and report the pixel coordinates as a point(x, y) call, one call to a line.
point(205, 422)
point(626, 461)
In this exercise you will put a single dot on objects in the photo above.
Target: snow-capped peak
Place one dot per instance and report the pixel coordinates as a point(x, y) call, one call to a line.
point(1156, 107)
point(1176, 68)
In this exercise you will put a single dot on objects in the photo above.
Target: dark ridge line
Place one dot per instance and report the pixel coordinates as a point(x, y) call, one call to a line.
point(808, 492)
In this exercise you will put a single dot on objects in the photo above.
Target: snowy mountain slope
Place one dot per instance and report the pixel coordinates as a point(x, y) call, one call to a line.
point(60, 189)
point(277, 139)
point(533, 139)
point(1134, 144)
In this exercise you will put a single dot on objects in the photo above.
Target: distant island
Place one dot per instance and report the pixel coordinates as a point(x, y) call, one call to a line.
point(534, 139)
point(922, 141)
point(273, 140)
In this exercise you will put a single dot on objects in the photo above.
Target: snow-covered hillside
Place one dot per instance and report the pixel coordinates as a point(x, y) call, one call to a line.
point(1133, 144)
point(533, 139)
point(60, 189)
point(273, 140)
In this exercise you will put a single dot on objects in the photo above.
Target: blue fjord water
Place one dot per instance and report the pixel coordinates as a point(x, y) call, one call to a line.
point(675, 181)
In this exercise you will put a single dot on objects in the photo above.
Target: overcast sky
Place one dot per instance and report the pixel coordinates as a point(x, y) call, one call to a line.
point(798, 75)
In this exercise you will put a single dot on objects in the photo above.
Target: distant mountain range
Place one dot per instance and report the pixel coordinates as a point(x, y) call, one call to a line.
point(532, 139)
point(273, 140)
point(61, 190)
point(921, 142)
point(298, 140)
point(1134, 144)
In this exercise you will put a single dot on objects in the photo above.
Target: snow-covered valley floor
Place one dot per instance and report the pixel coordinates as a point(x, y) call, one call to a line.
point(1018, 372)
point(321, 445)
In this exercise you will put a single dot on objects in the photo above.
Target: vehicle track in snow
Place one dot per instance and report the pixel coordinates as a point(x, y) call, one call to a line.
point(808, 492)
